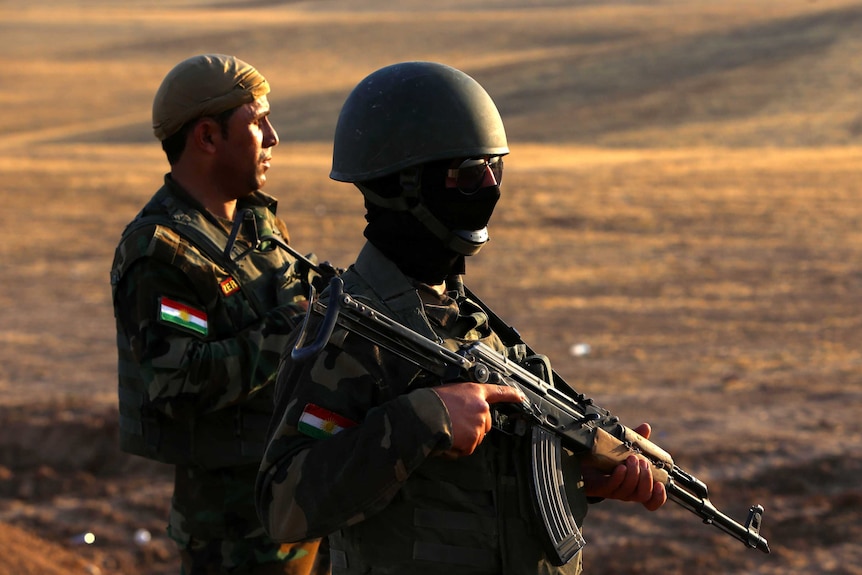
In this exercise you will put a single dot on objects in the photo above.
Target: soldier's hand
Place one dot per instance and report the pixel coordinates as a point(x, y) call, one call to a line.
point(321, 280)
point(469, 406)
point(631, 481)
point(288, 285)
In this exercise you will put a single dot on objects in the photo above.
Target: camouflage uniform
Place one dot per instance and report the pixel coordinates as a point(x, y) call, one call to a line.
point(199, 337)
point(376, 485)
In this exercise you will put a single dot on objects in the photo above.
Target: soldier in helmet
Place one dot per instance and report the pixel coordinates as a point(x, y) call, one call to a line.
point(200, 332)
point(398, 469)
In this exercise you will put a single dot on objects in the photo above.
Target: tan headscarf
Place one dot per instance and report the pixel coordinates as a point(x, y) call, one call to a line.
point(204, 85)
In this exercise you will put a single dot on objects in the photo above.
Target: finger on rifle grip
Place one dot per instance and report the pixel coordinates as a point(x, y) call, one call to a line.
point(652, 451)
point(608, 452)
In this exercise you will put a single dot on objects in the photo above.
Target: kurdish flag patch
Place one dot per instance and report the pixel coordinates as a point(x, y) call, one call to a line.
point(180, 314)
point(321, 423)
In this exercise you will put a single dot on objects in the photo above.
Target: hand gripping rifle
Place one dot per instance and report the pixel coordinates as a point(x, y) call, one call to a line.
point(554, 418)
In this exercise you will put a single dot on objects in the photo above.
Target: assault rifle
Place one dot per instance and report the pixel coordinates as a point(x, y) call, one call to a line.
point(555, 419)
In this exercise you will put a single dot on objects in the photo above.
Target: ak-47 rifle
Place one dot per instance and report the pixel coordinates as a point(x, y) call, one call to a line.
point(555, 415)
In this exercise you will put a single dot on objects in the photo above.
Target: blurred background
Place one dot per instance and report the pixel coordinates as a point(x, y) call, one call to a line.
point(679, 232)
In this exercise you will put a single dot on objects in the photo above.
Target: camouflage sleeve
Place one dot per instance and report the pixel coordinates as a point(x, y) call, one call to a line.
point(311, 486)
point(182, 368)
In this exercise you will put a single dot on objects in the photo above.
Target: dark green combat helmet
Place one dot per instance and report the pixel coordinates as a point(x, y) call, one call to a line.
point(412, 113)
point(406, 115)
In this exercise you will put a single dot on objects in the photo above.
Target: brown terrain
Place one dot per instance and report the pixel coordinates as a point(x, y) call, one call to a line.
point(683, 195)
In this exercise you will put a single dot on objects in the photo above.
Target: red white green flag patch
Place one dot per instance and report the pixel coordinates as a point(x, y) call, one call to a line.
point(180, 314)
point(321, 423)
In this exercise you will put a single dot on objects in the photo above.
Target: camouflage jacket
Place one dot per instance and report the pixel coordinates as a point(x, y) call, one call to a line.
point(352, 452)
point(199, 336)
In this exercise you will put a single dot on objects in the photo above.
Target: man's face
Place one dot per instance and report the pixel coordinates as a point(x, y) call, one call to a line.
point(463, 198)
point(244, 156)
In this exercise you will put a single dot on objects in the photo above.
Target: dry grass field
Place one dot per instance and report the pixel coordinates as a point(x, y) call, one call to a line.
point(683, 195)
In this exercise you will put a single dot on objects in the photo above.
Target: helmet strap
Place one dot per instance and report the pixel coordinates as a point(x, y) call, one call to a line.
point(464, 242)
point(459, 241)
point(396, 204)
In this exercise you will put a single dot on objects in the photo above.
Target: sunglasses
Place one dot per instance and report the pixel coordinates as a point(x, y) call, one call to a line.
point(472, 174)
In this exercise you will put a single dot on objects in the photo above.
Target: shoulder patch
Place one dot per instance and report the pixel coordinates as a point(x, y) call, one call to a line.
point(321, 423)
point(228, 286)
point(185, 316)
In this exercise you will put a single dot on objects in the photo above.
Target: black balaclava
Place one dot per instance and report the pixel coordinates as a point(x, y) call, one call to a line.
point(416, 251)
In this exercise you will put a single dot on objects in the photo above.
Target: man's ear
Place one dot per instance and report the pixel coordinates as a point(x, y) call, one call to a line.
point(205, 133)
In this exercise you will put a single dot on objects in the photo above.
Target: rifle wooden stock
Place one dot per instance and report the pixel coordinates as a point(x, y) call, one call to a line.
point(607, 452)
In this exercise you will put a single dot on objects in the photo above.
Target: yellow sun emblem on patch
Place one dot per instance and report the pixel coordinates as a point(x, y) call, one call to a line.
point(329, 426)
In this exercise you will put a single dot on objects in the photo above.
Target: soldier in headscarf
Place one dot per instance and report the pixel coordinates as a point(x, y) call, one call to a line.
point(402, 472)
point(199, 330)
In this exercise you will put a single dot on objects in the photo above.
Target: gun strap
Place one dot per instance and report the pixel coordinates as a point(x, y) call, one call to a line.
point(511, 337)
point(508, 334)
point(206, 244)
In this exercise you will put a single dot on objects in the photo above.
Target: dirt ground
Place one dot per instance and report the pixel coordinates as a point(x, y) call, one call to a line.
point(682, 196)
